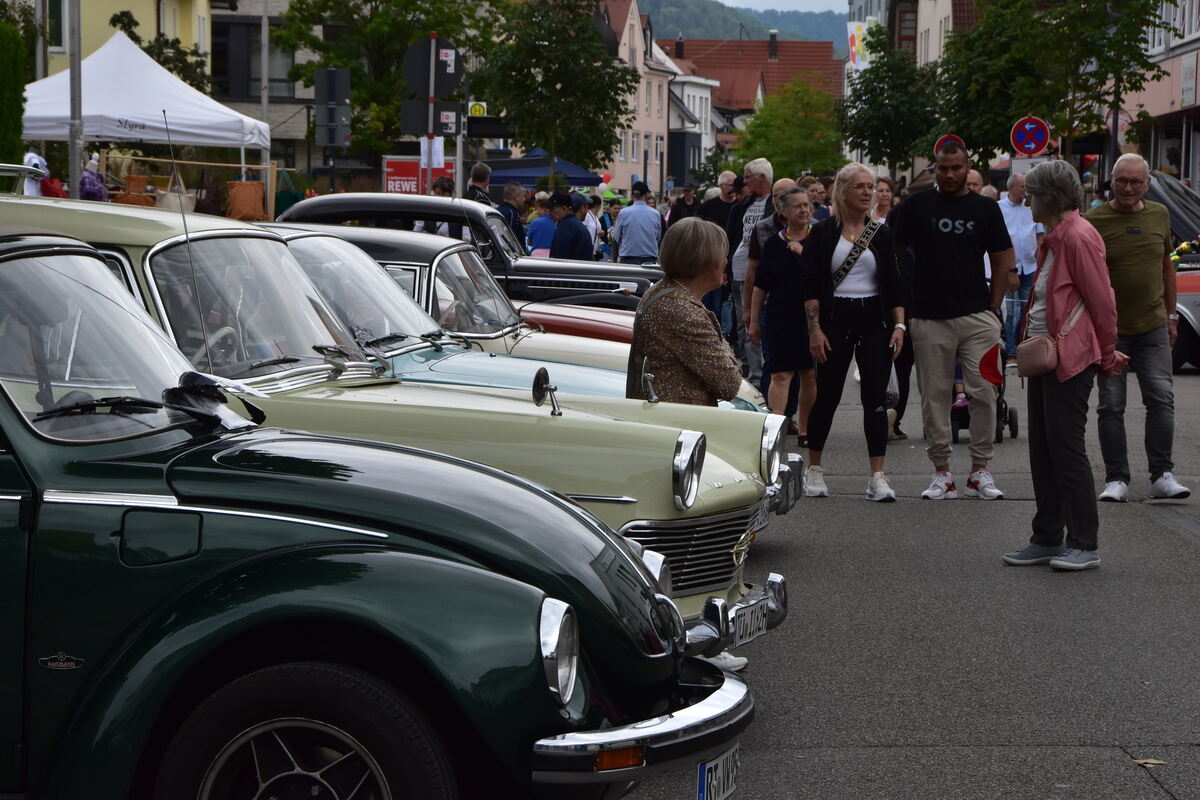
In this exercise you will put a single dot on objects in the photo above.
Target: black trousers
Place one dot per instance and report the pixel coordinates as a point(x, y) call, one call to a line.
point(1062, 475)
point(855, 330)
point(904, 367)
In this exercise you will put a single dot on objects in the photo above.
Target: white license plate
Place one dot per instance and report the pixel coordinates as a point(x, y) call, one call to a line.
point(750, 622)
point(717, 779)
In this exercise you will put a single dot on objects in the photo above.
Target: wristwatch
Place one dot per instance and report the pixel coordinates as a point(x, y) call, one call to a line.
point(1173, 317)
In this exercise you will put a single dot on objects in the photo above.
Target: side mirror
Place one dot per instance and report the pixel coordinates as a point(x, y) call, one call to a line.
point(542, 389)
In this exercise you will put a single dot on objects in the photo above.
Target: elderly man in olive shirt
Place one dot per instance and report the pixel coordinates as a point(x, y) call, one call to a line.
point(1137, 241)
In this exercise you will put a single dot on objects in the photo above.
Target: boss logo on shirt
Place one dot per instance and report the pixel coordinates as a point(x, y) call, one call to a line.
point(1133, 229)
point(946, 225)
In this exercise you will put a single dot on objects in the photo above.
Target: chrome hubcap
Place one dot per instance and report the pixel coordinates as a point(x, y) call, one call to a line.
point(294, 759)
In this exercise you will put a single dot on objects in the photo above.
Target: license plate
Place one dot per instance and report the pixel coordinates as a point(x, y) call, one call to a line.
point(717, 779)
point(750, 622)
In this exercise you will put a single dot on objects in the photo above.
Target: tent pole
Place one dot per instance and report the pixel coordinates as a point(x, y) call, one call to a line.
point(75, 129)
point(242, 150)
point(264, 76)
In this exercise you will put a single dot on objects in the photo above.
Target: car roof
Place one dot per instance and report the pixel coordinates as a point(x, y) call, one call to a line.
point(416, 246)
point(95, 222)
point(383, 202)
point(18, 238)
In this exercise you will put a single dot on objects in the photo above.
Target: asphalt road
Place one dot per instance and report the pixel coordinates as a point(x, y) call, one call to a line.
point(915, 664)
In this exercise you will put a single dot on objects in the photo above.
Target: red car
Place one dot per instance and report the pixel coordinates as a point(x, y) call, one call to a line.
point(614, 324)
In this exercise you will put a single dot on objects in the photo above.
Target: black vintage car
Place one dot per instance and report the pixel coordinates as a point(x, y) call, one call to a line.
point(523, 277)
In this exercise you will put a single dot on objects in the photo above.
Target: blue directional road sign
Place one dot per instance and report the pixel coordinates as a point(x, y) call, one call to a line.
point(1029, 136)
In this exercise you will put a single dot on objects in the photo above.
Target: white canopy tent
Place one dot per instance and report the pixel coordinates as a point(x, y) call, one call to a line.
point(124, 95)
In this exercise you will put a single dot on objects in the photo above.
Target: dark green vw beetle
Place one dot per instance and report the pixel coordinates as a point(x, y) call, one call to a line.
point(192, 606)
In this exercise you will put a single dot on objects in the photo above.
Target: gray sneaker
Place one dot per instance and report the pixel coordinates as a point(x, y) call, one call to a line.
point(1032, 554)
point(1074, 558)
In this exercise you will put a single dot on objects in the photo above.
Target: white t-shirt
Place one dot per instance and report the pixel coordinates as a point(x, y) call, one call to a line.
point(593, 225)
point(1035, 325)
point(862, 280)
point(741, 256)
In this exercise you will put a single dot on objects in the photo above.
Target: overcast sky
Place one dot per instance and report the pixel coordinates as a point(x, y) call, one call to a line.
point(791, 5)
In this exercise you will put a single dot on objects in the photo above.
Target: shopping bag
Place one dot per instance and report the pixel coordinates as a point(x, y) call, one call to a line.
point(891, 397)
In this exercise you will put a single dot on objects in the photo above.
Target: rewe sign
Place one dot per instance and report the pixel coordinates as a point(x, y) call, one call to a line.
point(404, 175)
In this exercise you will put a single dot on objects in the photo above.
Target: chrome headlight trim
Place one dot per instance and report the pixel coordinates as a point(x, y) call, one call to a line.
point(659, 568)
point(559, 635)
point(771, 456)
point(690, 448)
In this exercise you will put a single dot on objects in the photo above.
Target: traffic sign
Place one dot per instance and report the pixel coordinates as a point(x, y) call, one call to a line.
point(1029, 136)
point(477, 109)
point(949, 137)
point(414, 118)
point(447, 67)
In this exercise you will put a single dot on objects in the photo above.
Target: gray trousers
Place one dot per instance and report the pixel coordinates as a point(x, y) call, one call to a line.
point(746, 349)
point(1150, 357)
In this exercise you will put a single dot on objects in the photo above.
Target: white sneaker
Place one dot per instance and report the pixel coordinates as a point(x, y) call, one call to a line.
point(1167, 488)
point(981, 485)
point(941, 488)
point(1115, 492)
point(879, 490)
point(814, 482)
point(728, 661)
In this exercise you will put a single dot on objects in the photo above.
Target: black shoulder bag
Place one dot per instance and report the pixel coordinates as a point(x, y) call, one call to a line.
point(860, 244)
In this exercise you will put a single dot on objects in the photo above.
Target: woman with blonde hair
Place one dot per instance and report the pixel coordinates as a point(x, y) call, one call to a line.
point(854, 303)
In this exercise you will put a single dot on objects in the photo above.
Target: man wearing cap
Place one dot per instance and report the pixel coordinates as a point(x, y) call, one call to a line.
point(571, 237)
point(686, 205)
point(638, 230)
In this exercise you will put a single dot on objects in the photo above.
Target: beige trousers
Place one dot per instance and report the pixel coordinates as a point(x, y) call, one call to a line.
point(937, 344)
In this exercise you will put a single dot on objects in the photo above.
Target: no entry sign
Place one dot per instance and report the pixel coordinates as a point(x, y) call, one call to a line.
point(1029, 136)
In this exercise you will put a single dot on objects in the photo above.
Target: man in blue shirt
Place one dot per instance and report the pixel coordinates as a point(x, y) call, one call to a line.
point(571, 237)
point(638, 230)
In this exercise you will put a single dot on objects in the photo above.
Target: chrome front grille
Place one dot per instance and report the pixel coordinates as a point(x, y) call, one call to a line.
point(705, 553)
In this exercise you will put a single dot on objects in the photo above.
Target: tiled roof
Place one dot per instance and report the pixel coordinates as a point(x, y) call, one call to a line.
point(794, 59)
point(618, 13)
point(738, 89)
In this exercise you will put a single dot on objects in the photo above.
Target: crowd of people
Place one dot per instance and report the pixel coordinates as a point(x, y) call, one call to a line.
point(791, 282)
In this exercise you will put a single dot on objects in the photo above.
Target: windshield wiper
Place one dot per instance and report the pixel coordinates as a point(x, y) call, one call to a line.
point(387, 337)
point(335, 350)
point(132, 404)
point(271, 362)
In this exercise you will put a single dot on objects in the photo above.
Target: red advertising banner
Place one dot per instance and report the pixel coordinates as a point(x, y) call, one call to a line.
point(404, 174)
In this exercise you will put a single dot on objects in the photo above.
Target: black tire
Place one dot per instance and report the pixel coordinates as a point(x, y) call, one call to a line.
point(1186, 349)
point(953, 431)
point(1014, 426)
point(999, 435)
point(288, 723)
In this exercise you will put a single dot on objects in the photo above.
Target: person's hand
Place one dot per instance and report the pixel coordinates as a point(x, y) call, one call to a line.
point(818, 345)
point(1120, 360)
point(746, 317)
point(897, 342)
point(1173, 330)
point(753, 331)
point(796, 247)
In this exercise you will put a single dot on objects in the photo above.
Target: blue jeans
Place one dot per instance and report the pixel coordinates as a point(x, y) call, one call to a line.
point(1014, 310)
point(1150, 357)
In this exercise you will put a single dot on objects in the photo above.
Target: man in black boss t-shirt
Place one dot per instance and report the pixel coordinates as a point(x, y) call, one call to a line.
point(955, 313)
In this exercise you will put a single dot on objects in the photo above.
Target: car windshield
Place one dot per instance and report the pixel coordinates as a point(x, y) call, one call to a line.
point(466, 298)
point(257, 312)
point(360, 291)
point(504, 233)
point(72, 335)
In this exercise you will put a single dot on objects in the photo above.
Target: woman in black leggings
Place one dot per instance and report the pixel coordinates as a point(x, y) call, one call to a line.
point(855, 310)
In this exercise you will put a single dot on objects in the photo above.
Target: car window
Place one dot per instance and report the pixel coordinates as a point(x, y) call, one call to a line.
point(406, 278)
point(255, 305)
point(70, 334)
point(466, 298)
point(504, 233)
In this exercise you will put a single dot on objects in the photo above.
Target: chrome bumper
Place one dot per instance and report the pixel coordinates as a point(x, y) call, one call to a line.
point(721, 708)
point(713, 631)
point(782, 494)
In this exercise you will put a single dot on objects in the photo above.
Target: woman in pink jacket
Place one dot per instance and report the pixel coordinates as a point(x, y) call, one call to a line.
point(1071, 301)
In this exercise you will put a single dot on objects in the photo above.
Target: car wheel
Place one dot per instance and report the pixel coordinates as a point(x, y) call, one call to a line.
point(1186, 349)
point(311, 730)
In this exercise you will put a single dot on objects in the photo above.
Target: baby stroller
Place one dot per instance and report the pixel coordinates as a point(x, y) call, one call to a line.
point(960, 418)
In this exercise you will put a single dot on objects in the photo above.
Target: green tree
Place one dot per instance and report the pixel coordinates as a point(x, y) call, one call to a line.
point(889, 104)
point(370, 37)
point(549, 70)
point(12, 92)
point(188, 63)
point(1066, 62)
point(716, 161)
point(796, 129)
point(20, 15)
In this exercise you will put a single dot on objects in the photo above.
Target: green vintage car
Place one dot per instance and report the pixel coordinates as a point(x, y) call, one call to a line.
point(687, 481)
point(192, 606)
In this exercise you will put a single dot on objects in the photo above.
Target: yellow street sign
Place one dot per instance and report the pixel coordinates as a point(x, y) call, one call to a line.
point(477, 110)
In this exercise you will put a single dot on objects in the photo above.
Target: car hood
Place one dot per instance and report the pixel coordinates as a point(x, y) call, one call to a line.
point(455, 366)
point(428, 502)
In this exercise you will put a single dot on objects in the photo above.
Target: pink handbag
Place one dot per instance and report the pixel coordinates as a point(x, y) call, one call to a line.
point(1038, 355)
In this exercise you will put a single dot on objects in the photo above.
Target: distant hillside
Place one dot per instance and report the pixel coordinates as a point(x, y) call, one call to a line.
point(818, 26)
point(709, 19)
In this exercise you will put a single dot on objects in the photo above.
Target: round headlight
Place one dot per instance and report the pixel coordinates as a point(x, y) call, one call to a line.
point(659, 568)
point(772, 448)
point(687, 466)
point(559, 634)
